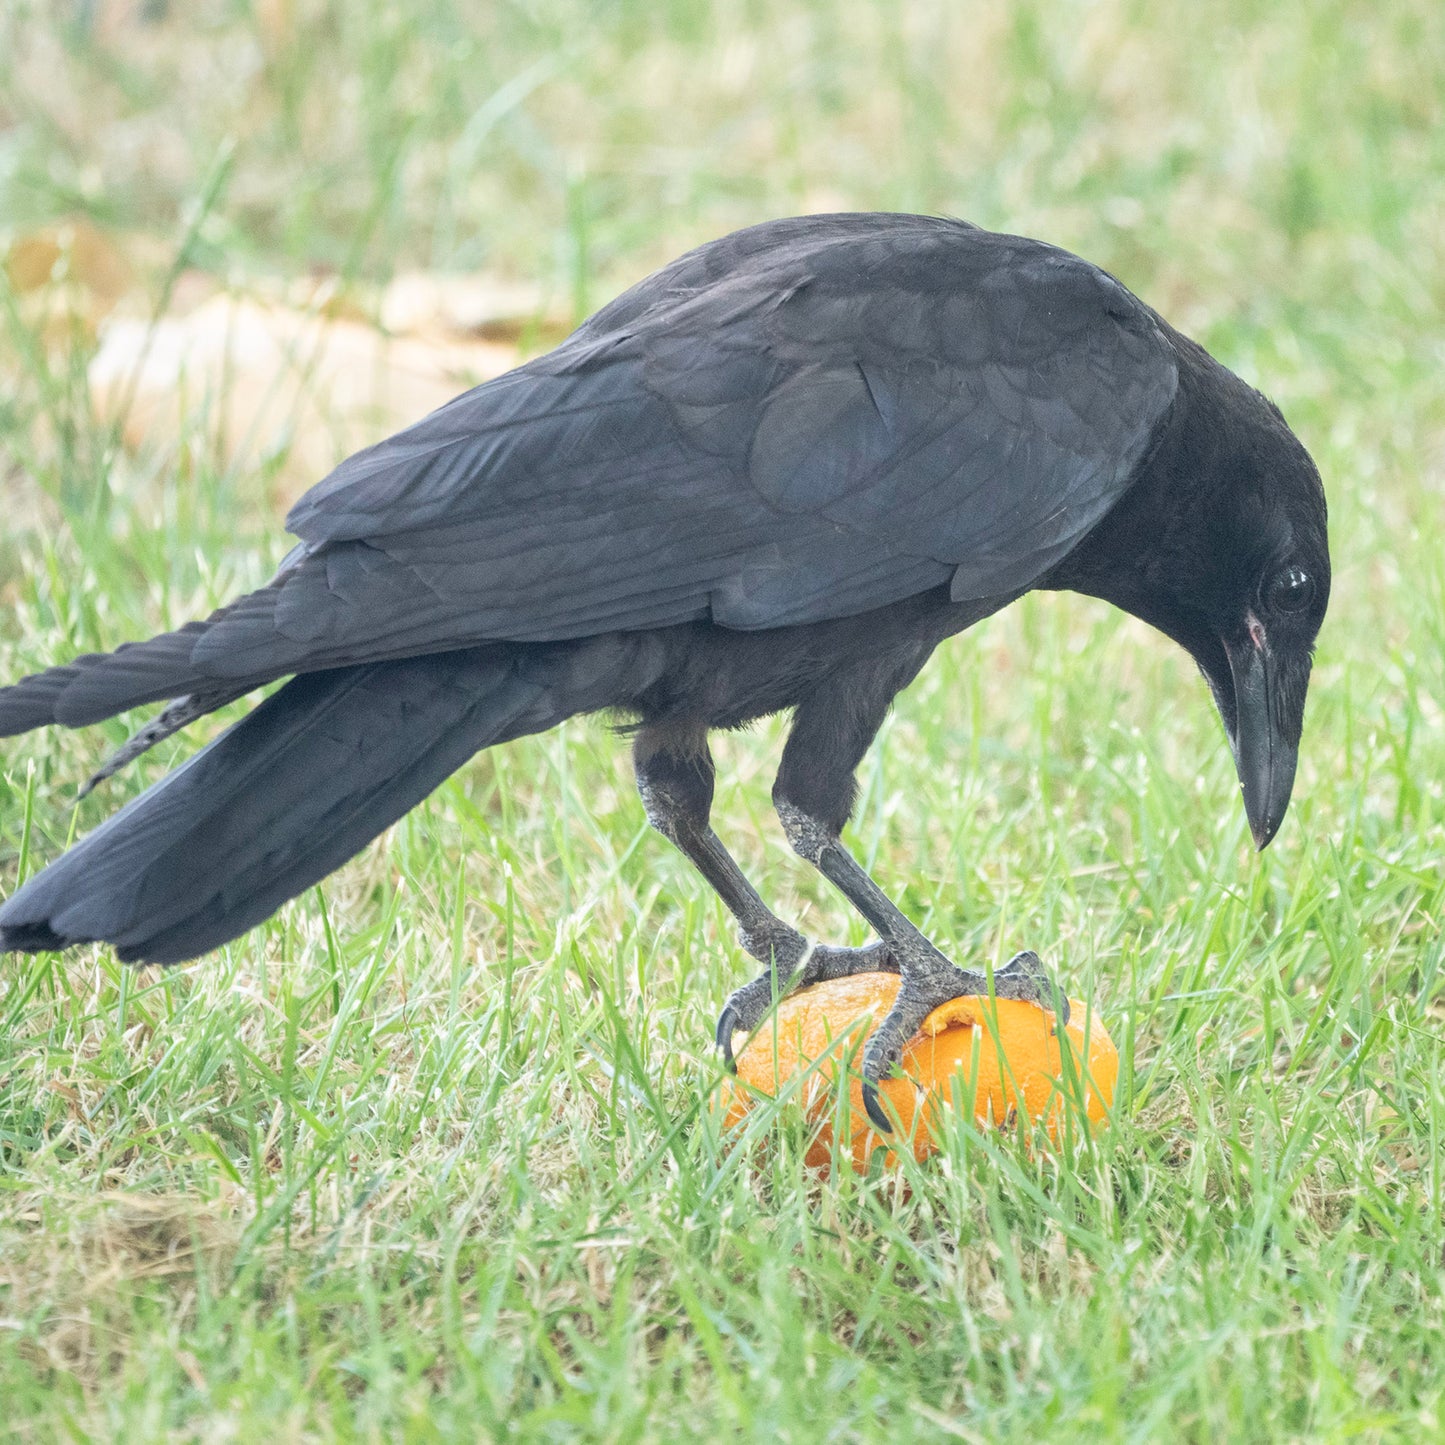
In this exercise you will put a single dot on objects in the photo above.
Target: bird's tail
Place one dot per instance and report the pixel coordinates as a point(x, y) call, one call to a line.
point(101, 684)
point(279, 800)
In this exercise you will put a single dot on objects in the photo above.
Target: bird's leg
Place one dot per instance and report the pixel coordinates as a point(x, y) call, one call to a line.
point(814, 797)
point(675, 779)
point(929, 977)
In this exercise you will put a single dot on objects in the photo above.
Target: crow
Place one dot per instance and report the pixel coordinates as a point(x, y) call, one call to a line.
point(773, 476)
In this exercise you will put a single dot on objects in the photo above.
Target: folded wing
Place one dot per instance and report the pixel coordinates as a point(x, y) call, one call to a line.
point(804, 421)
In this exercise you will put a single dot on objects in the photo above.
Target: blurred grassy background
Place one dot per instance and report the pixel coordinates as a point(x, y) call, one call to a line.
point(430, 1156)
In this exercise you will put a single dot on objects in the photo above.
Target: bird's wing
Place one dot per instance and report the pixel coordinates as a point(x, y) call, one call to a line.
point(805, 421)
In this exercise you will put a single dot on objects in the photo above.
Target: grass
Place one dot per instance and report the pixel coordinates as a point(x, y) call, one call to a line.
point(429, 1153)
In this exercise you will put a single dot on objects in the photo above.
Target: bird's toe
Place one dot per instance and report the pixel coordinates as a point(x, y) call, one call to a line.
point(1024, 977)
point(744, 1011)
point(823, 962)
point(884, 1052)
point(750, 1005)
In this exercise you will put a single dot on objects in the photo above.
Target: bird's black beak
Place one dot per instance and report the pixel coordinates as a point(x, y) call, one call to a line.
point(1268, 713)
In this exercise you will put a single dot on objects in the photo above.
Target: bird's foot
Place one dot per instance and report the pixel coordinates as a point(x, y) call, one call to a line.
point(929, 980)
point(793, 967)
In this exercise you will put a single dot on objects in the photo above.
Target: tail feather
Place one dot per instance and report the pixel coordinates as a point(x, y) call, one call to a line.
point(100, 684)
point(275, 803)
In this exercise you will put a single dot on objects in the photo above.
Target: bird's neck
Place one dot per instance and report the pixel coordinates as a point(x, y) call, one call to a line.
point(1159, 528)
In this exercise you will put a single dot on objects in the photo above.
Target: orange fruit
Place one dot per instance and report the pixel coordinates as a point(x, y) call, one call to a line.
point(999, 1058)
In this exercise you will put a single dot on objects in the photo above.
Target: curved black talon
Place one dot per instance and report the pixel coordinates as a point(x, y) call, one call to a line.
point(874, 1108)
point(726, 1025)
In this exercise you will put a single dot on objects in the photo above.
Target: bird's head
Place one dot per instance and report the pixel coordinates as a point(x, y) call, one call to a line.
point(1252, 579)
point(1255, 643)
point(1233, 563)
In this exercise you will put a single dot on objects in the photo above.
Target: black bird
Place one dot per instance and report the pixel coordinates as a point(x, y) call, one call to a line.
point(775, 475)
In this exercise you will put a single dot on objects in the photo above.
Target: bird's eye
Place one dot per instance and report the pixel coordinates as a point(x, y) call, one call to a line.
point(1291, 590)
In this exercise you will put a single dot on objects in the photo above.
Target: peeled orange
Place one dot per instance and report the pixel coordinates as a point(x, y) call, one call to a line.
point(998, 1058)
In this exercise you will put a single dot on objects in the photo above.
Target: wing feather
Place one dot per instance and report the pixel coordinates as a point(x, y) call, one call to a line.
point(804, 421)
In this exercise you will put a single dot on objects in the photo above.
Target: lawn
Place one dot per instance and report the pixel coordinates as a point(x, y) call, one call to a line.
point(430, 1153)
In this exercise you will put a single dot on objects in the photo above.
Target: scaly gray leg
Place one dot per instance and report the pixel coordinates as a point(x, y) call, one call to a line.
point(675, 780)
point(814, 796)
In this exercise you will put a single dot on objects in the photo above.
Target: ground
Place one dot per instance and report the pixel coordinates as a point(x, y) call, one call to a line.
point(430, 1153)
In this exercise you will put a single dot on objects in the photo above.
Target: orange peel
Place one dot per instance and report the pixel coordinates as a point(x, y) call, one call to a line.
point(999, 1058)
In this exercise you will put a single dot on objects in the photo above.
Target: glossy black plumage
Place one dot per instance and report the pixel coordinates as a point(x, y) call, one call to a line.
point(806, 421)
point(773, 475)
